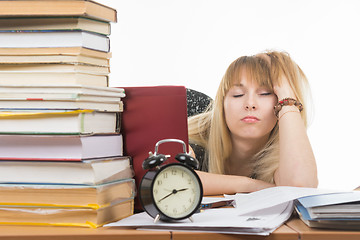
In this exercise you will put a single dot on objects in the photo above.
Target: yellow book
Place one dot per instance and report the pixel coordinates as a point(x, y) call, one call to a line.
point(67, 195)
point(65, 216)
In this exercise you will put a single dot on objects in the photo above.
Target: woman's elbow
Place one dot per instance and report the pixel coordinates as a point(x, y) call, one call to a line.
point(309, 182)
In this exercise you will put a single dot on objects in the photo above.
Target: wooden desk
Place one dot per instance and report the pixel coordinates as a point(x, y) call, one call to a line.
point(282, 233)
point(294, 229)
point(59, 233)
point(112, 233)
point(307, 233)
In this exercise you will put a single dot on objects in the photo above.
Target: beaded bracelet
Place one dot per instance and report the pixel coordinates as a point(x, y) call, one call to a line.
point(287, 102)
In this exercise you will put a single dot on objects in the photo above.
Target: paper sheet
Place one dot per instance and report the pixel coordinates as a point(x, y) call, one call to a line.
point(222, 220)
point(246, 203)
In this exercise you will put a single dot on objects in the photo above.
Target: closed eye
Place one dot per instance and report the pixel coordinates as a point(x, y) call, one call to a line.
point(265, 94)
point(238, 95)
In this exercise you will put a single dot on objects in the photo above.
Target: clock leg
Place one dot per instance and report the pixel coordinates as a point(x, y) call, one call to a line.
point(157, 218)
point(191, 219)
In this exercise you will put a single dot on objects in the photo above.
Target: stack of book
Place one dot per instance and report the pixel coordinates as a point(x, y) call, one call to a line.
point(336, 211)
point(61, 147)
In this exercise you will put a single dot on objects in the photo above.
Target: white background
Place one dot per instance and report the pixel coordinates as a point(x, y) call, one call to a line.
point(192, 42)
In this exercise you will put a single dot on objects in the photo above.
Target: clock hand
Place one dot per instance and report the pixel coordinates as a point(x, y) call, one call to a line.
point(183, 189)
point(173, 192)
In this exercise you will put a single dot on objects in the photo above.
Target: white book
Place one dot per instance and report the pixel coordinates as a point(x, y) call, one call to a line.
point(72, 89)
point(44, 91)
point(93, 172)
point(53, 78)
point(66, 59)
point(54, 68)
point(59, 147)
point(48, 39)
point(27, 103)
point(28, 121)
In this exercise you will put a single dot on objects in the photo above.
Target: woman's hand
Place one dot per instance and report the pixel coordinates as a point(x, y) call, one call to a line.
point(283, 89)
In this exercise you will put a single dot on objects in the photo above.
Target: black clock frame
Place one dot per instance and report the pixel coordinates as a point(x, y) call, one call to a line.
point(147, 198)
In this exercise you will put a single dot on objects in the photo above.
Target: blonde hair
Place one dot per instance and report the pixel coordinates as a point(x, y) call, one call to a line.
point(209, 129)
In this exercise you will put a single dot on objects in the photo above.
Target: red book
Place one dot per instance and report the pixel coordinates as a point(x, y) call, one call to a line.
point(152, 114)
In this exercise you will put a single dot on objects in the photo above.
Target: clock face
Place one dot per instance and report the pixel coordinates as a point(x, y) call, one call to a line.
point(177, 191)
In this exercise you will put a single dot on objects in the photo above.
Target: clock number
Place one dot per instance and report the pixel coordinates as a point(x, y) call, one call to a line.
point(159, 182)
point(174, 210)
point(165, 175)
point(173, 172)
point(189, 181)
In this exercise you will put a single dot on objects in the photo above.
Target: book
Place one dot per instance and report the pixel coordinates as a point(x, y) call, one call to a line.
point(59, 96)
point(22, 103)
point(85, 121)
point(53, 78)
point(55, 67)
point(60, 147)
point(67, 195)
point(63, 59)
point(329, 223)
point(87, 172)
point(85, 8)
point(61, 90)
point(62, 51)
point(339, 205)
point(158, 112)
point(65, 216)
point(48, 39)
point(55, 23)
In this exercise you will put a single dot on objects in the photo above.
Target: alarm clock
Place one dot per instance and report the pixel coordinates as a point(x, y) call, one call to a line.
point(170, 192)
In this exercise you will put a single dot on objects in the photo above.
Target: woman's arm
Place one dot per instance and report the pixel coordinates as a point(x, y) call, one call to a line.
point(217, 184)
point(297, 166)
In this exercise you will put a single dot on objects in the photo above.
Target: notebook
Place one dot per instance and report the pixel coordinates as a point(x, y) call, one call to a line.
point(152, 114)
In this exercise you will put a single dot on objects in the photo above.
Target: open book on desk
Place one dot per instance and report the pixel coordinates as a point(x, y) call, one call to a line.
point(257, 213)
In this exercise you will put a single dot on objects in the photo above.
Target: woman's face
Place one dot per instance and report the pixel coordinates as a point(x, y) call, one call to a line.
point(249, 110)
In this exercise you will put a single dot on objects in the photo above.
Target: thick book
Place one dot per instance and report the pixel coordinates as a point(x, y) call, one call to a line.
point(67, 195)
point(55, 67)
point(55, 23)
point(60, 147)
point(84, 121)
point(152, 114)
point(60, 103)
point(53, 39)
point(57, 51)
point(90, 216)
point(85, 8)
point(53, 78)
point(61, 90)
point(90, 172)
point(63, 59)
point(329, 223)
point(339, 205)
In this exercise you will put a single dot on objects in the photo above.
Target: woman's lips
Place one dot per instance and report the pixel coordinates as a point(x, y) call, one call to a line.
point(250, 119)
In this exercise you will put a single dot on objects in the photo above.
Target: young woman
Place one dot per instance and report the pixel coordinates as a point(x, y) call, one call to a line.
point(254, 133)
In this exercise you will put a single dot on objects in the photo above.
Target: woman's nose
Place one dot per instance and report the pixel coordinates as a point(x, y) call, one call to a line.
point(248, 107)
point(250, 103)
